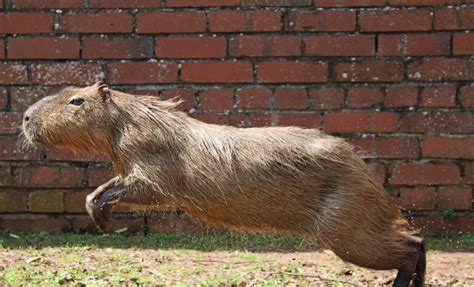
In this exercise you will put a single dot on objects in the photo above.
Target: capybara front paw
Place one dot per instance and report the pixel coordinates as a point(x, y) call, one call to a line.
point(98, 211)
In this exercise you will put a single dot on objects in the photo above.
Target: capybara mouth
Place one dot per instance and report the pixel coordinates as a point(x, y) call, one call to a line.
point(30, 132)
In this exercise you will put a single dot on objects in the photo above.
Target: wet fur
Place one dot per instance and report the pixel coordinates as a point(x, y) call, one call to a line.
point(269, 180)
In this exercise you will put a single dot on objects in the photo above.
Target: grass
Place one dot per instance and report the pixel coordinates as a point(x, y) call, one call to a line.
point(221, 259)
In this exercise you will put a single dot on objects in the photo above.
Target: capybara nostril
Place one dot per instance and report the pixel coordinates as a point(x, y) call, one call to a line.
point(27, 118)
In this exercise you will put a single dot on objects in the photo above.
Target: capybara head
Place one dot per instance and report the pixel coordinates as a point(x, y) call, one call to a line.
point(69, 119)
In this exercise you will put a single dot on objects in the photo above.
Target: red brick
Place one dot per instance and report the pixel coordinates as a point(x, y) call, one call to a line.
point(418, 198)
point(425, 173)
point(43, 48)
point(217, 72)
point(260, 120)
point(253, 98)
point(255, 45)
point(339, 45)
point(290, 98)
point(186, 95)
point(395, 20)
point(448, 147)
point(11, 149)
point(390, 147)
point(74, 201)
point(455, 198)
point(124, 3)
point(11, 74)
point(202, 3)
point(291, 3)
point(66, 73)
point(46, 201)
point(142, 72)
point(9, 123)
point(5, 175)
point(327, 20)
point(48, 176)
point(240, 21)
point(23, 97)
point(378, 171)
point(369, 71)
point(454, 18)
point(292, 71)
point(47, 4)
point(3, 98)
point(25, 23)
point(438, 97)
point(102, 22)
point(440, 121)
point(469, 173)
point(13, 201)
point(2, 49)
point(437, 225)
point(462, 44)
point(348, 3)
point(217, 99)
point(191, 47)
point(212, 118)
point(441, 69)
point(422, 2)
point(99, 175)
point(117, 48)
point(66, 155)
point(414, 45)
point(310, 121)
point(33, 223)
point(347, 122)
point(171, 22)
point(364, 97)
point(397, 97)
point(326, 98)
point(467, 96)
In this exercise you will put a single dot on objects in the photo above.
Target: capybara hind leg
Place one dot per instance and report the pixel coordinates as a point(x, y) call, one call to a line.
point(419, 279)
point(99, 208)
point(414, 270)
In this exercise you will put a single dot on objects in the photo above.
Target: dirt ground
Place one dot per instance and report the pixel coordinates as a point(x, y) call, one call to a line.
point(87, 266)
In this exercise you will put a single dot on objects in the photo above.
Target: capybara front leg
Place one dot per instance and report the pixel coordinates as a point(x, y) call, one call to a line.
point(99, 208)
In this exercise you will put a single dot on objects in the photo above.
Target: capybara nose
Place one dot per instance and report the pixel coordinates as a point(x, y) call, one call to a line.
point(33, 109)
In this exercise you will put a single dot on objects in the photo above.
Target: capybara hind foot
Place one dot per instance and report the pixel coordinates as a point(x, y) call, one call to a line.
point(413, 273)
point(419, 279)
point(99, 208)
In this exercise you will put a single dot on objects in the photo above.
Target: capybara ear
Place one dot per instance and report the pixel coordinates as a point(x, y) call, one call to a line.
point(103, 90)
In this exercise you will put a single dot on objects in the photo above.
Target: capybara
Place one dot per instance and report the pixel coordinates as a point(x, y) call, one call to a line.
point(271, 180)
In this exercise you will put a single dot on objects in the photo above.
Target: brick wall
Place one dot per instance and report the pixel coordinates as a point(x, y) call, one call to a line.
point(392, 76)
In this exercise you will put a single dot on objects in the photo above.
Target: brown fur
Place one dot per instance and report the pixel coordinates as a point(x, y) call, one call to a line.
point(271, 180)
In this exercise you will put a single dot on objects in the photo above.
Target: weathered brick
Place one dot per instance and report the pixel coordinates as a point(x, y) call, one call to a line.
point(422, 2)
point(418, 198)
point(414, 45)
point(253, 98)
point(455, 197)
point(74, 201)
point(66, 155)
point(395, 20)
point(348, 122)
point(102, 22)
point(256, 45)
point(216, 99)
point(291, 3)
point(66, 73)
point(13, 201)
point(310, 121)
point(448, 147)
point(440, 121)
point(387, 147)
point(184, 94)
point(217, 72)
point(339, 45)
point(348, 3)
point(124, 3)
point(43, 48)
point(292, 71)
point(190, 47)
point(25, 23)
point(369, 71)
point(454, 18)
point(117, 48)
point(46, 201)
point(2, 49)
point(462, 44)
point(171, 22)
point(438, 97)
point(3, 98)
point(326, 98)
point(142, 72)
point(12, 74)
point(326, 20)
point(5, 174)
point(49, 176)
point(99, 175)
point(47, 4)
point(260, 119)
point(441, 69)
point(467, 96)
point(290, 98)
point(23, 97)
point(11, 149)
point(33, 223)
point(425, 173)
point(469, 173)
point(202, 3)
point(364, 97)
point(240, 21)
point(9, 123)
point(401, 96)
point(378, 171)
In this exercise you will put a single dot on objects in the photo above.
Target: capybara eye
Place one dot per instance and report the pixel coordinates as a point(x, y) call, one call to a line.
point(76, 101)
